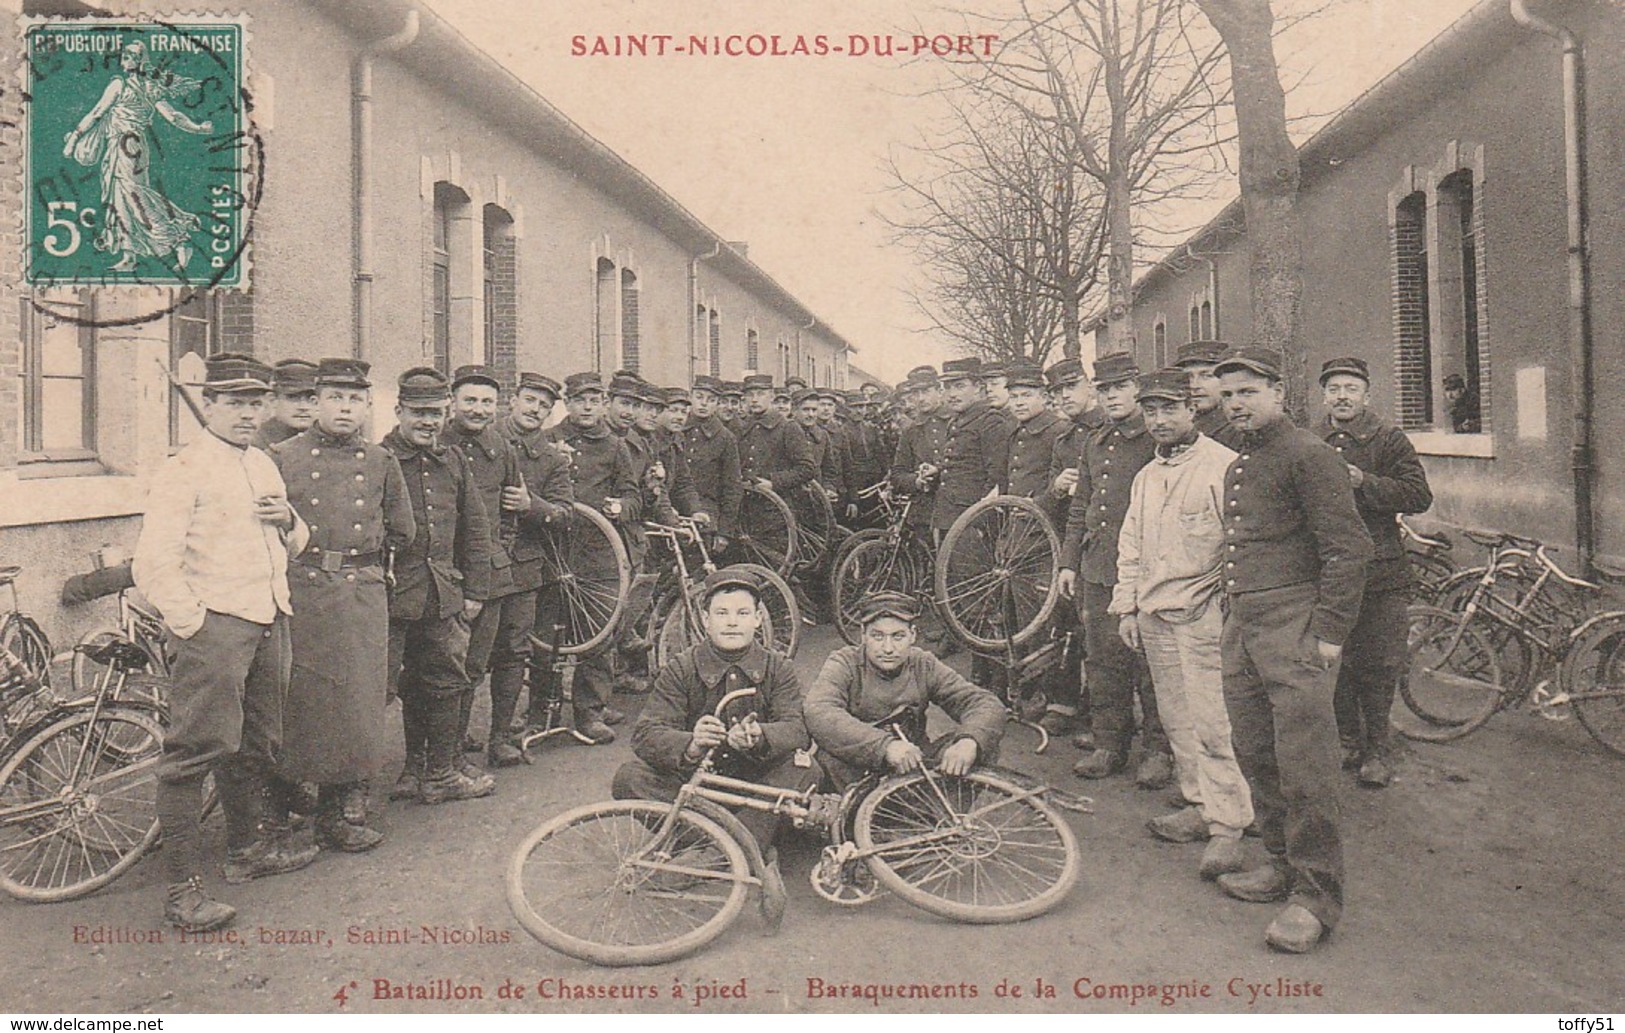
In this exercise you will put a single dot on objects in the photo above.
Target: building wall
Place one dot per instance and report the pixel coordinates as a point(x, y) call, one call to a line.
point(1517, 476)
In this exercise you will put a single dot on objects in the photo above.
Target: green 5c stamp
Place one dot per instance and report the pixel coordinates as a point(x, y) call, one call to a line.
point(142, 164)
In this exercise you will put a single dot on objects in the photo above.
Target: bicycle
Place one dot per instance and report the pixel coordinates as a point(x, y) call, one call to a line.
point(135, 623)
point(635, 882)
point(674, 618)
point(1522, 605)
point(896, 559)
point(77, 800)
point(1429, 559)
point(21, 634)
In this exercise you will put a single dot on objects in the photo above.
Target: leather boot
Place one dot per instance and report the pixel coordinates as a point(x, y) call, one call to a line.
point(337, 806)
point(444, 779)
point(590, 723)
point(417, 750)
point(1265, 884)
point(242, 798)
point(465, 710)
point(188, 908)
point(186, 905)
point(506, 684)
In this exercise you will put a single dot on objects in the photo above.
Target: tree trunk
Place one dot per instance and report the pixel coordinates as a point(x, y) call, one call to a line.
point(1269, 174)
point(1119, 265)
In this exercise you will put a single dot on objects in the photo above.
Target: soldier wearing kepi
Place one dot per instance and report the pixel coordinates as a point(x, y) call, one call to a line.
point(546, 473)
point(293, 402)
point(973, 462)
point(1115, 674)
point(213, 559)
point(733, 405)
point(712, 452)
point(916, 468)
point(601, 476)
point(1295, 567)
point(499, 634)
point(1032, 445)
point(1388, 480)
point(352, 494)
point(671, 406)
point(1198, 358)
point(1170, 553)
point(438, 581)
point(773, 452)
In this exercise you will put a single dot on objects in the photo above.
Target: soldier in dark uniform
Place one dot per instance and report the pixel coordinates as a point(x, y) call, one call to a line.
point(1296, 569)
point(867, 458)
point(712, 452)
point(804, 408)
point(773, 452)
point(633, 403)
point(784, 401)
point(916, 467)
point(447, 563)
point(352, 494)
point(546, 474)
point(1073, 397)
point(293, 402)
point(1032, 446)
point(766, 741)
point(1388, 480)
point(1114, 674)
point(733, 405)
point(672, 405)
point(601, 476)
point(499, 637)
point(973, 462)
point(996, 377)
point(1198, 358)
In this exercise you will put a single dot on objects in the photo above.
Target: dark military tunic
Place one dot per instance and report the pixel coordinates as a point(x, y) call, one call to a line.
point(495, 466)
point(1111, 458)
point(273, 432)
point(680, 490)
point(923, 441)
point(449, 559)
point(775, 448)
point(600, 467)
point(1394, 482)
point(973, 462)
point(866, 457)
point(827, 459)
point(712, 453)
point(547, 477)
point(352, 495)
point(1032, 453)
point(1216, 425)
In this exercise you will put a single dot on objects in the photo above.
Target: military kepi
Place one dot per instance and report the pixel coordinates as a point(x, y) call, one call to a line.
point(961, 369)
point(1266, 362)
point(1349, 367)
point(235, 373)
point(539, 382)
point(888, 604)
point(474, 375)
point(423, 385)
point(294, 376)
point(1201, 353)
point(757, 380)
point(343, 373)
point(1064, 373)
point(1115, 369)
point(728, 578)
point(1024, 374)
point(1172, 385)
point(582, 383)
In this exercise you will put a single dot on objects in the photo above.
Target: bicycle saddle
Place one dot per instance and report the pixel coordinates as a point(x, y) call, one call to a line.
point(9, 574)
point(118, 652)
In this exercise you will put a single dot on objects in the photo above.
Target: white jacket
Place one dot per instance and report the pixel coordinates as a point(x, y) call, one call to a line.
point(1171, 549)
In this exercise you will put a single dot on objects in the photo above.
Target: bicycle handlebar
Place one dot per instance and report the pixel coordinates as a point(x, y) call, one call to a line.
point(1562, 575)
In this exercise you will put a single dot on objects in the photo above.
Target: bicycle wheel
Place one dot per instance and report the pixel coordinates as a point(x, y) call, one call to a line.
point(876, 565)
point(815, 526)
point(1594, 673)
point(1512, 581)
point(78, 805)
point(766, 531)
point(995, 852)
point(589, 579)
point(86, 674)
point(847, 544)
point(997, 571)
point(602, 884)
point(1454, 682)
point(27, 642)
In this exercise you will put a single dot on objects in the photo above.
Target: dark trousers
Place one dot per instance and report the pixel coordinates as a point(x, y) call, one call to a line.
point(1374, 659)
point(226, 693)
point(636, 780)
point(426, 666)
point(1279, 695)
point(1114, 675)
point(499, 642)
point(1063, 685)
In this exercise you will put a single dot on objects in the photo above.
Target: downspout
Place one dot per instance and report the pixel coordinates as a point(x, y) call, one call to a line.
point(1579, 264)
point(694, 307)
point(361, 98)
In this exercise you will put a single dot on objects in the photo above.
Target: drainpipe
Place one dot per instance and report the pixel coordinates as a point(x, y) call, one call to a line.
point(694, 307)
point(1579, 338)
point(361, 98)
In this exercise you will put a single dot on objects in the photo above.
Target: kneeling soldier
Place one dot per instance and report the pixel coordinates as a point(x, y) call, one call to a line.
point(866, 683)
point(766, 739)
point(439, 580)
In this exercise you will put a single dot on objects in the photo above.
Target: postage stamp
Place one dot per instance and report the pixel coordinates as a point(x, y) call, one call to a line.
point(142, 164)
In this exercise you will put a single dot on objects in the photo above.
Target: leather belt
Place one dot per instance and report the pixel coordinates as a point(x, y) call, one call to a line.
point(333, 561)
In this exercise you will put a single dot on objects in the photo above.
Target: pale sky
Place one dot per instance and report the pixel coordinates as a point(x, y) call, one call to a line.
point(787, 153)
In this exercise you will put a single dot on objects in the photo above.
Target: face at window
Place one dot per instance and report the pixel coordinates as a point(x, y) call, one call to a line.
point(705, 403)
point(531, 408)
point(235, 417)
point(646, 416)
point(1345, 396)
point(421, 424)
point(297, 409)
point(998, 391)
point(1204, 387)
point(731, 618)
point(886, 642)
point(1252, 401)
point(474, 407)
point(1168, 422)
point(340, 410)
point(1026, 402)
point(962, 394)
point(807, 413)
point(586, 409)
point(758, 400)
point(674, 417)
point(1118, 400)
point(623, 411)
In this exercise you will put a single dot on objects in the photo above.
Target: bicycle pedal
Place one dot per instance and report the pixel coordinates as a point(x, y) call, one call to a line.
point(1552, 706)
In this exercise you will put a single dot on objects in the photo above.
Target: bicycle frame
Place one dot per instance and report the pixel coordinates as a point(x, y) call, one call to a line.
point(1518, 614)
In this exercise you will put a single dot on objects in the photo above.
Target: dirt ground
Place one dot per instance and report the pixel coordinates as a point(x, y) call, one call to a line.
point(1489, 877)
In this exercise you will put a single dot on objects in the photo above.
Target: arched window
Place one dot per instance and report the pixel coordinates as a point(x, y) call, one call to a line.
point(450, 227)
point(1207, 319)
point(1413, 344)
point(606, 329)
point(630, 326)
point(1159, 342)
point(752, 350)
point(715, 324)
point(501, 301)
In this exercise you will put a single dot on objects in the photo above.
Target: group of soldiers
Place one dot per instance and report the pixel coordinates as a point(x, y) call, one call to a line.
point(1217, 559)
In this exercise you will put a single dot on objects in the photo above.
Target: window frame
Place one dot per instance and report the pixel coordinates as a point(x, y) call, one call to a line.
point(33, 457)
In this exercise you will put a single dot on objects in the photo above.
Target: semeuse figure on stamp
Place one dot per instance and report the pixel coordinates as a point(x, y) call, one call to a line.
point(213, 559)
point(762, 738)
point(137, 219)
